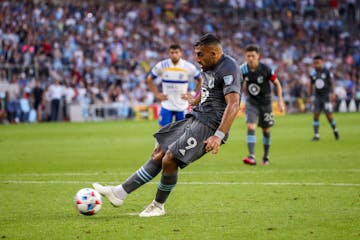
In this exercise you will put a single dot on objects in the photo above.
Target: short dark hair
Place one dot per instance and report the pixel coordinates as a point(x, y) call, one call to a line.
point(318, 57)
point(252, 48)
point(207, 39)
point(175, 46)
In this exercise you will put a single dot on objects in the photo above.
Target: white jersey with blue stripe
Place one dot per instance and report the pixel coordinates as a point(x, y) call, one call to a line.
point(175, 81)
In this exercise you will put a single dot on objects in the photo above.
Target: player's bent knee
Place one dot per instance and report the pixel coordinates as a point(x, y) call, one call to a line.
point(251, 126)
point(157, 154)
point(169, 164)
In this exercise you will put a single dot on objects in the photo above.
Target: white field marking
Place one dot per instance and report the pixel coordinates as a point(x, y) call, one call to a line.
point(263, 171)
point(197, 183)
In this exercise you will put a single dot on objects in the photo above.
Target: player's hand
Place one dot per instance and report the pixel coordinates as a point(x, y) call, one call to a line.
point(281, 106)
point(212, 144)
point(188, 97)
point(161, 96)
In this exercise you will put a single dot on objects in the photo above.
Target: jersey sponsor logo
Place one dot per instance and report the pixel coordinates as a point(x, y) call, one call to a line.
point(260, 79)
point(254, 89)
point(228, 79)
point(204, 94)
point(210, 79)
point(319, 83)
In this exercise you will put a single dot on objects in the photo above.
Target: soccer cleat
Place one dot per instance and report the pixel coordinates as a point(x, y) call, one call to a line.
point(153, 210)
point(249, 160)
point(336, 134)
point(107, 192)
point(315, 139)
point(265, 161)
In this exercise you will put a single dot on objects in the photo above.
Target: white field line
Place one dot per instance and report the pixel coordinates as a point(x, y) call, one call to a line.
point(356, 170)
point(198, 183)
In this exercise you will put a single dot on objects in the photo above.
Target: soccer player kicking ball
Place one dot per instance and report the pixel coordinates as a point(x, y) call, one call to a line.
point(183, 142)
point(258, 108)
point(321, 78)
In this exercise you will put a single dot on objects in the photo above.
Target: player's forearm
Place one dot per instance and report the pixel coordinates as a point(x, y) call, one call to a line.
point(231, 111)
point(279, 92)
point(151, 86)
point(310, 90)
point(278, 89)
point(196, 100)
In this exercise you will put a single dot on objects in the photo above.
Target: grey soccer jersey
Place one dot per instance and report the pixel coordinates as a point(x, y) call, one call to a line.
point(322, 82)
point(223, 79)
point(258, 83)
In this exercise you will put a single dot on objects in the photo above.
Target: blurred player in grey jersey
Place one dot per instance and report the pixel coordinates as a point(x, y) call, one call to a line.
point(257, 78)
point(183, 142)
point(321, 80)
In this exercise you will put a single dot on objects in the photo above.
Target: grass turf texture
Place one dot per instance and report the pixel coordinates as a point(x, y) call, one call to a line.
point(311, 190)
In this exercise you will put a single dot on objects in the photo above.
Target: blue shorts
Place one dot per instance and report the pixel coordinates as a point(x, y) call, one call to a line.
point(166, 116)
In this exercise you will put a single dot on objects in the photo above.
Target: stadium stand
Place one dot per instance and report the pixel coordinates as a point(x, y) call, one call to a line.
point(101, 51)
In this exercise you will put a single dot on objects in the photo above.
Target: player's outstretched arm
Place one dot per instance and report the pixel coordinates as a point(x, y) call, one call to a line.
point(233, 106)
point(279, 94)
point(153, 88)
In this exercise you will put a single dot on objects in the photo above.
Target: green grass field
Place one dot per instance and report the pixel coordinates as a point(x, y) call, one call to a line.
point(310, 191)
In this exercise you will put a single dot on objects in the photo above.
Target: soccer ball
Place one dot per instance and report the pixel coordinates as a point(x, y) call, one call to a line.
point(88, 201)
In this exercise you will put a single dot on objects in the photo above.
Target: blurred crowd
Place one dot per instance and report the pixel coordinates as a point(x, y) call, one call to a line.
point(57, 53)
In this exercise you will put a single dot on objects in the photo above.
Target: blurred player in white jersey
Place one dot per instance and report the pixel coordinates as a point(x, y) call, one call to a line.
point(175, 74)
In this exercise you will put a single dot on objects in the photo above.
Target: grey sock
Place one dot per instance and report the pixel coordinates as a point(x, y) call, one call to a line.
point(316, 125)
point(251, 141)
point(167, 183)
point(266, 142)
point(145, 174)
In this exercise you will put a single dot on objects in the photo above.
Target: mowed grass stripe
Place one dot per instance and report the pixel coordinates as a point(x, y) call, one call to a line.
point(196, 183)
point(183, 173)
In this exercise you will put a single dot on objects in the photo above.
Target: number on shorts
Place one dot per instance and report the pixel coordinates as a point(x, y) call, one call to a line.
point(191, 143)
point(268, 117)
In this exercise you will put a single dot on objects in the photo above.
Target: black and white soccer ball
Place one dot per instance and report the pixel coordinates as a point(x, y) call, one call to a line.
point(88, 201)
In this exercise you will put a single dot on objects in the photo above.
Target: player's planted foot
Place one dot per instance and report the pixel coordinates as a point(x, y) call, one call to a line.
point(107, 192)
point(265, 161)
point(315, 138)
point(336, 134)
point(155, 209)
point(249, 160)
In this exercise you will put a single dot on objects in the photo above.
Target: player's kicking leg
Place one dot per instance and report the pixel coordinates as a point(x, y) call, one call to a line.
point(117, 194)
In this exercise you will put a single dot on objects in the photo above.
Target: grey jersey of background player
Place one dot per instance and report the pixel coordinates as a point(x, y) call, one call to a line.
point(258, 89)
point(322, 80)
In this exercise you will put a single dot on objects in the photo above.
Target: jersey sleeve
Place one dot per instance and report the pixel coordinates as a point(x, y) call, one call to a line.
point(194, 73)
point(312, 76)
point(232, 79)
point(156, 70)
point(272, 75)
